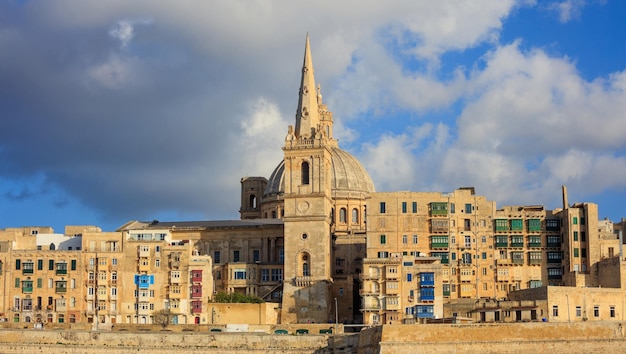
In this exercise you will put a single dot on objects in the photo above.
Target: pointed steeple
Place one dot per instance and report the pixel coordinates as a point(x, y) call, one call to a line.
point(307, 114)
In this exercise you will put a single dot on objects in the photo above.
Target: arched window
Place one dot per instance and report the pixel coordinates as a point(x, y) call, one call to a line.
point(355, 216)
point(305, 269)
point(304, 265)
point(342, 215)
point(305, 173)
point(253, 201)
point(52, 247)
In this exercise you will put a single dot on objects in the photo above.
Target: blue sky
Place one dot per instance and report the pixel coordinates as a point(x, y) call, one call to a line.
point(114, 111)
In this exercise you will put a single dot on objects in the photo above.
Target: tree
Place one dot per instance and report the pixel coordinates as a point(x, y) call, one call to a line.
point(162, 317)
point(236, 298)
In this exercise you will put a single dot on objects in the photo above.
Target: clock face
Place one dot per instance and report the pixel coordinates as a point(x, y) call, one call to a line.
point(303, 206)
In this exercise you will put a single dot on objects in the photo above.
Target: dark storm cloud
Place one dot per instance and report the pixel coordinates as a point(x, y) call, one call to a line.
point(128, 129)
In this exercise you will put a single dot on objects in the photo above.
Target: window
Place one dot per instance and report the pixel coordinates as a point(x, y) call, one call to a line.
point(383, 254)
point(555, 311)
point(414, 207)
point(235, 256)
point(383, 208)
point(342, 215)
point(583, 236)
point(596, 311)
point(40, 264)
point(575, 252)
point(157, 263)
point(579, 311)
point(73, 264)
point(468, 241)
point(305, 173)
point(265, 275)
point(256, 255)
point(405, 239)
point(216, 257)
point(383, 239)
point(575, 235)
point(51, 264)
point(484, 255)
point(575, 220)
point(355, 216)
point(240, 274)
point(114, 261)
point(18, 264)
point(39, 282)
point(414, 238)
point(277, 274)
point(583, 252)
point(468, 208)
point(612, 311)
point(452, 208)
point(404, 208)
point(409, 277)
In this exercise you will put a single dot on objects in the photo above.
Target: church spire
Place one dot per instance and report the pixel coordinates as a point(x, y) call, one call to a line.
point(307, 115)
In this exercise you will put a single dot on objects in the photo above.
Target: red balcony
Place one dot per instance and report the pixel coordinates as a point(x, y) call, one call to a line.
point(196, 307)
point(196, 291)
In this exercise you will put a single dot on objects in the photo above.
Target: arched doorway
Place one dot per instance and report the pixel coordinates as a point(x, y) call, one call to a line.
point(197, 320)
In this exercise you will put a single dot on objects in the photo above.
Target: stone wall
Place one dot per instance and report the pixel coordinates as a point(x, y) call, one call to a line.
point(45, 341)
point(496, 338)
point(577, 337)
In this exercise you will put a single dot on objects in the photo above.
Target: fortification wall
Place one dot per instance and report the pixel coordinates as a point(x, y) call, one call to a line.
point(579, 337)
point(498, 338)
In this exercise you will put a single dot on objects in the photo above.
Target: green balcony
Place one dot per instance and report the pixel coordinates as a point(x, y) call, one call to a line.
point(502, 242)
point(517, 244)
point(438, 209)
point(501, 224)
point(434, 245)
point(517, 225)
point(27, 289)
point(534, 225)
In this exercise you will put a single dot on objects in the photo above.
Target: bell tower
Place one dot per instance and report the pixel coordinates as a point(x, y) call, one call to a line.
point(308, 206)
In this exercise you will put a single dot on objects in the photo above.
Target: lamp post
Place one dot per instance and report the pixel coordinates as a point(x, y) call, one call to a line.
point(568, 316)
point(336, 317)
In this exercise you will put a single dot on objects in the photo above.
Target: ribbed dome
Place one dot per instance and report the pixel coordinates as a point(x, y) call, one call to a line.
point(347, 174)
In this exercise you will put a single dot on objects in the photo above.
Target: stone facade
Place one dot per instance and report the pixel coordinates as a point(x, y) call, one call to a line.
point(319, 244)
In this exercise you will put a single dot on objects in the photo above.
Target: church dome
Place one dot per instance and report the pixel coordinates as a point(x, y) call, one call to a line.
point(347, 175)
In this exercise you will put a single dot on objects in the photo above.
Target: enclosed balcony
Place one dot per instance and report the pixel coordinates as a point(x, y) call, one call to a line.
point(61, 268)
point(501, 224)
point(502, 241)
point(61, 287)
point(28, 268)
point(438, 208)
point(534, 241)
point(27, 286)
point(438, 242)
point(517, 241)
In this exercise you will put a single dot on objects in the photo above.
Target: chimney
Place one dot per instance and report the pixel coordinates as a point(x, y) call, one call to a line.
point(565, 202)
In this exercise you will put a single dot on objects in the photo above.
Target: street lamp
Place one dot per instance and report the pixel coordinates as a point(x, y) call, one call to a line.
point(336, 317)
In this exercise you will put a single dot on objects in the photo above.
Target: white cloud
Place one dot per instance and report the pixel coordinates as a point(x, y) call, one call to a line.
point(567, 10)
point(123, 31)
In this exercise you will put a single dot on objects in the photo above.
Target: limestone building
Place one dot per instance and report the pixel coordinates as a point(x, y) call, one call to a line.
point(316, 239)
